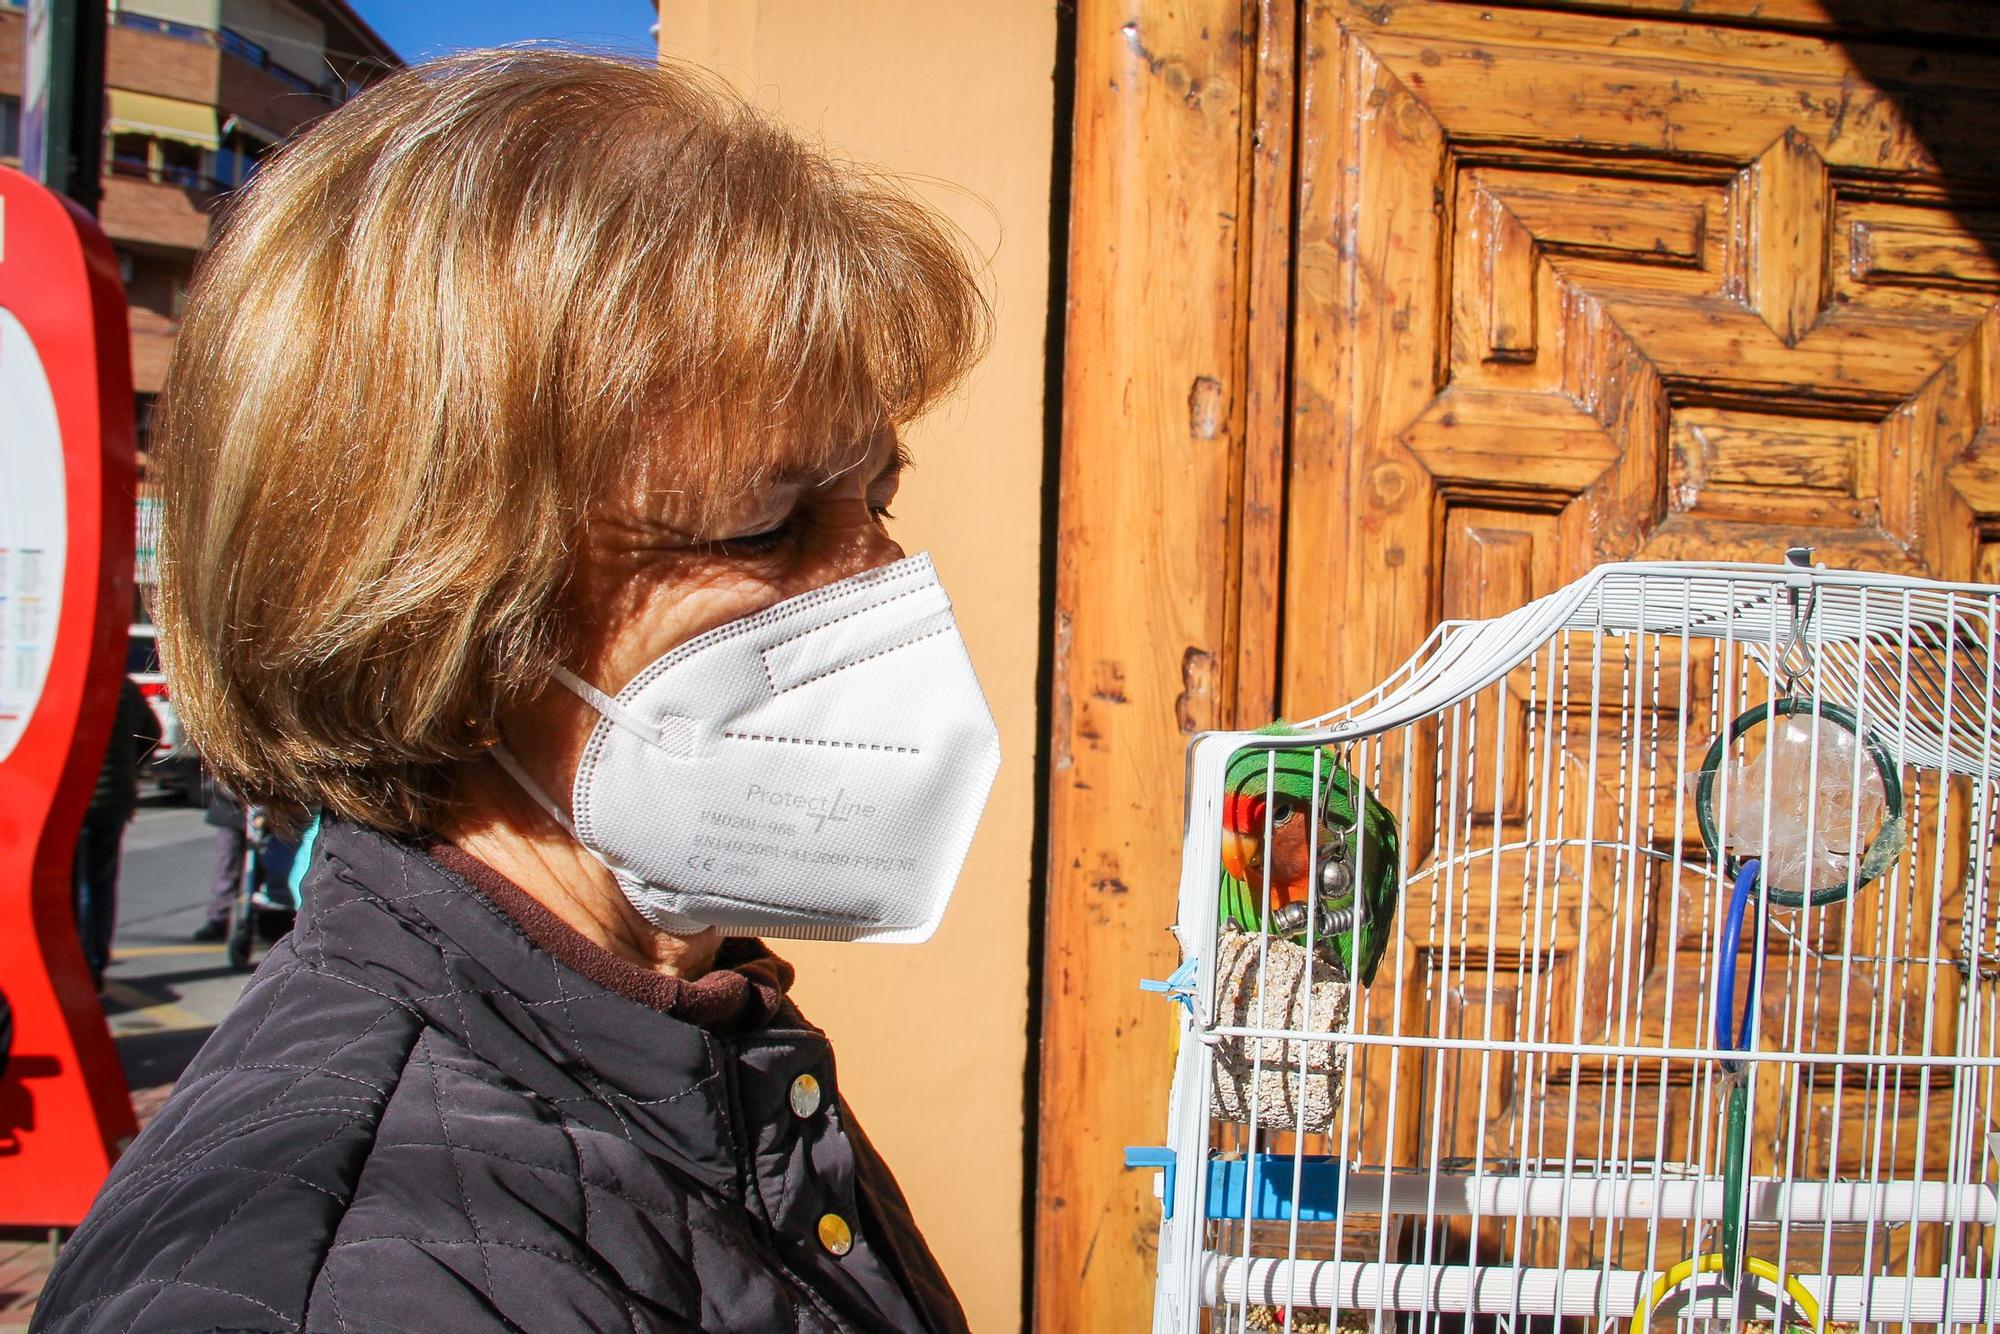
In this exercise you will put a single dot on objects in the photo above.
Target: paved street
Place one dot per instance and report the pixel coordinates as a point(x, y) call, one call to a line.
point(163, 993)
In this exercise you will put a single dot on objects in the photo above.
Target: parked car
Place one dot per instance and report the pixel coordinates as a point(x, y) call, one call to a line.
point(174, 764)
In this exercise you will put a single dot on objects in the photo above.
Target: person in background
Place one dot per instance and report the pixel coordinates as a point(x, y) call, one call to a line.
point(226, 814)
point(134, 734)
point(295, 878)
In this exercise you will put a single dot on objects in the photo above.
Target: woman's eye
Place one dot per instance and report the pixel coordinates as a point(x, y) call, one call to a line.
point(881, 513)
point(759, 544)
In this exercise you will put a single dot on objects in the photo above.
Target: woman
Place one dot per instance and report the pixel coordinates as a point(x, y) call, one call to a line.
point(524, 378)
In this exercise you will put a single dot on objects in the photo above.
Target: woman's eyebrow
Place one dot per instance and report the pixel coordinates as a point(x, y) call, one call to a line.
point(898, 460)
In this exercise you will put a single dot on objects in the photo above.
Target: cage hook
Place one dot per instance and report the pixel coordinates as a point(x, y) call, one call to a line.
point(1795, 660)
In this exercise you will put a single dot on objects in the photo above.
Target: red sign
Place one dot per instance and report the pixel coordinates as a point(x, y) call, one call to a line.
point(66, 458)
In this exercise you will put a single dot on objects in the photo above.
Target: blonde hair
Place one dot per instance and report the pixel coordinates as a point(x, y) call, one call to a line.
point(435, 329)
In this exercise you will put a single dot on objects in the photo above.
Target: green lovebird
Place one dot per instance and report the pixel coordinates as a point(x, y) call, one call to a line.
point(1257, 802)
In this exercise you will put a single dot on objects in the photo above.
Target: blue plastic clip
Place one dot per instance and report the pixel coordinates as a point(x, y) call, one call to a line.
point(1153, 1155)
point(1271, 1197)
point(1178, 986)
point(1270, 1175)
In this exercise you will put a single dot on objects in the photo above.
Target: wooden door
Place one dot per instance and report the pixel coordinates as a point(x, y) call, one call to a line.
point(1574, 287)
point(1510, 292)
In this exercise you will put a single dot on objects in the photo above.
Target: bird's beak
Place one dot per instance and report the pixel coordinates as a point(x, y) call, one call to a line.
point(1238, 851)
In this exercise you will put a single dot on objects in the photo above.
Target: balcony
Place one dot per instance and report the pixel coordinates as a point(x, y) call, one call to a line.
point(161, 65)
point(156, 208)
point(250, 53)
point(218, 67)
point(263, 98)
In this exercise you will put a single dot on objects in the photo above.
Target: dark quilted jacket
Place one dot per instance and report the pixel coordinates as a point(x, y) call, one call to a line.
point(417, 1119)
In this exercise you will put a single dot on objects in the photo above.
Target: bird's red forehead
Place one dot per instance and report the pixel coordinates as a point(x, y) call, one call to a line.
point(1243, 812)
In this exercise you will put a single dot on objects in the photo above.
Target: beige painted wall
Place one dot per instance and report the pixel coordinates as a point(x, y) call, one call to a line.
point(955, 96)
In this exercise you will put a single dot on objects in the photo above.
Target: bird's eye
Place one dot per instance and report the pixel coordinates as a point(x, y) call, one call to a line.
point(1281, 813)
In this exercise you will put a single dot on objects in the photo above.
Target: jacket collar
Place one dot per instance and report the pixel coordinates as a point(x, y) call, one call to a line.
point(382, 913)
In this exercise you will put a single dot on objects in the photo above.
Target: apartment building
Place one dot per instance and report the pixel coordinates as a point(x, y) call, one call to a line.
point(196, 91)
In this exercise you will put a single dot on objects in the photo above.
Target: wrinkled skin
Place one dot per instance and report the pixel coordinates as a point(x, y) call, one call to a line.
point(647, 579)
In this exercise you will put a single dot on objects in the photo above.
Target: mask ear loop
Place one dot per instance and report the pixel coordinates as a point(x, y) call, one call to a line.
point(505, 759)
point(606, 705)
point(673, 734)
point(625, 880)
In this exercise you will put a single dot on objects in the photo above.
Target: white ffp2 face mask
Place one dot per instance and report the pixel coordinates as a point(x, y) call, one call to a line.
point(812, 771)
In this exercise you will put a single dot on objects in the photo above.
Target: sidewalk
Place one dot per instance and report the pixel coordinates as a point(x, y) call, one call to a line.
point(24, 1265)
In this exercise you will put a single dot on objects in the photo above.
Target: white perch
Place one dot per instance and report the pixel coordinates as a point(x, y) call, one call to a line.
point(1586, 1196)
point(1594, 1293)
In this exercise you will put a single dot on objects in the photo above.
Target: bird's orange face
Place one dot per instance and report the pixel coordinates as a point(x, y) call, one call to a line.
point(1242, 833)
point(1247, 818)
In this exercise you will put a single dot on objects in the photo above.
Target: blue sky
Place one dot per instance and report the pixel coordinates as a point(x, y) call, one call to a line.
point(420, 28)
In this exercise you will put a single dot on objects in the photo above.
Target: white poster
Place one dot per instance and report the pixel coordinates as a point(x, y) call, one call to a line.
point(33, 529)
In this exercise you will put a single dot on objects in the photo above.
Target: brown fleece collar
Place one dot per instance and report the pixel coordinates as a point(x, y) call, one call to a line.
point(743, 991)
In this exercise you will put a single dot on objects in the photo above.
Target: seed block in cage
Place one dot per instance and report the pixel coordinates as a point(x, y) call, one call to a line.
point(1283, 1083)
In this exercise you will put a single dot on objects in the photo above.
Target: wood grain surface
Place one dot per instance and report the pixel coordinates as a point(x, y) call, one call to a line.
point(1460, 300)
point(1147, 597)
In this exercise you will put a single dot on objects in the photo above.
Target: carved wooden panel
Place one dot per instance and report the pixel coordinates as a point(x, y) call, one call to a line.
point(1576, 288)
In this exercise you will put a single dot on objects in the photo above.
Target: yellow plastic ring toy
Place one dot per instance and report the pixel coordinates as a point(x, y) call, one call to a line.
point(1712, 1264)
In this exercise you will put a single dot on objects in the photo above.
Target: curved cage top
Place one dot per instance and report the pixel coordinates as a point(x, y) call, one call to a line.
point(1880, 646)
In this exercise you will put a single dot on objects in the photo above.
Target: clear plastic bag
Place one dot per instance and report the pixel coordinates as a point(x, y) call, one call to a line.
point(1810, 798)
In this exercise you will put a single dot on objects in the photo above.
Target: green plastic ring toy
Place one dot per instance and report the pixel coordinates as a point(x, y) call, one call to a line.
point(1881, 852)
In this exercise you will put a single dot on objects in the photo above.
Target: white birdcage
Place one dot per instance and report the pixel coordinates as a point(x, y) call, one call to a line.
point(1527, 1114)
